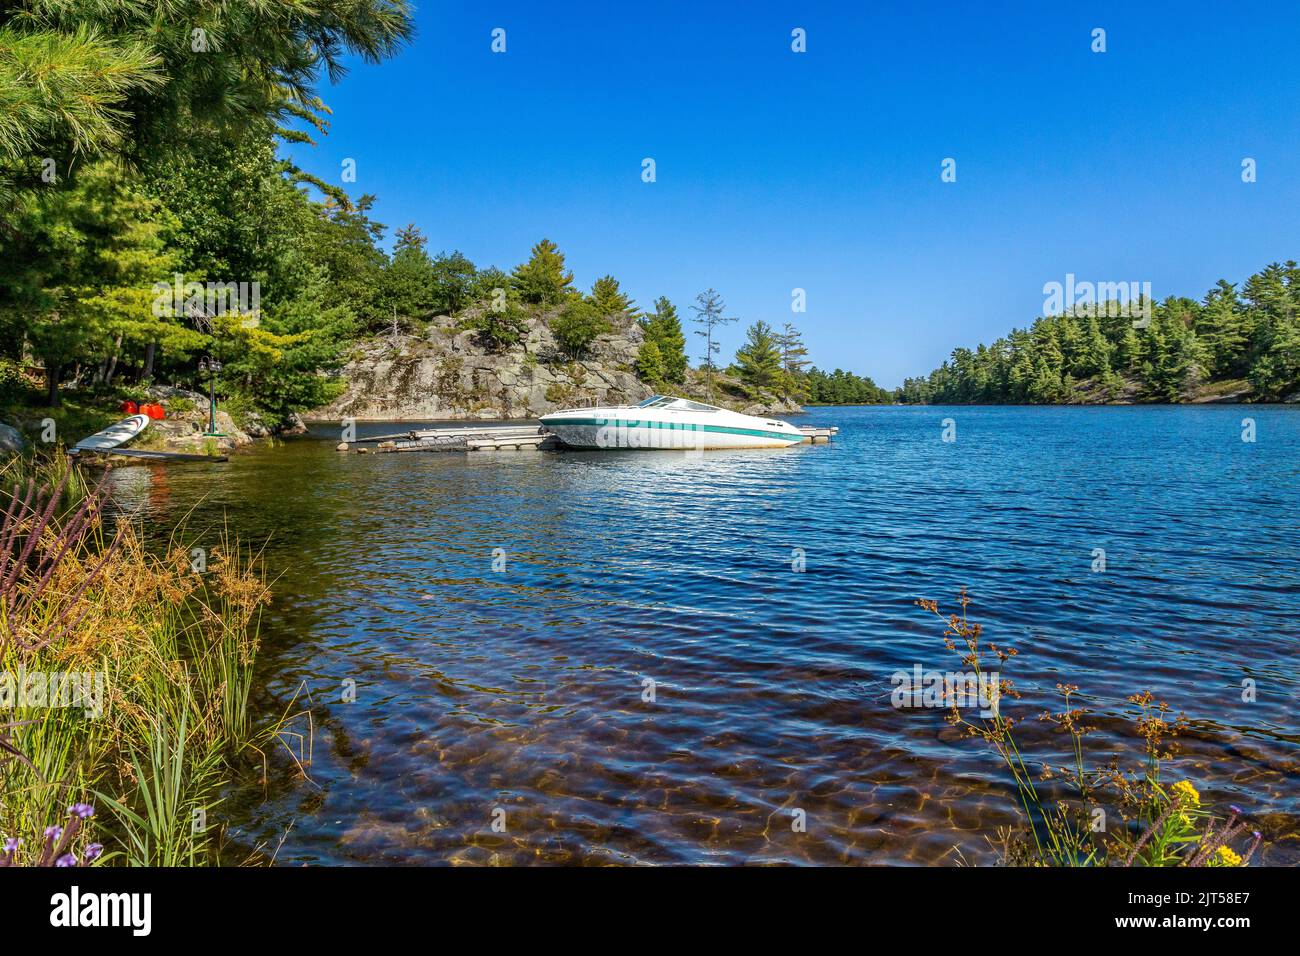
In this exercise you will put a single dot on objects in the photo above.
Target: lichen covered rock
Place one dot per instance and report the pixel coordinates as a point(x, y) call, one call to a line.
point(448, 372)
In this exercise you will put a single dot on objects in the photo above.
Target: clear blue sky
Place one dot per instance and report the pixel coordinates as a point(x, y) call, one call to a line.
point(821, 170)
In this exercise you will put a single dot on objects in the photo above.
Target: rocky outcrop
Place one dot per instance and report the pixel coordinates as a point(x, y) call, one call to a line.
point(446, 372)
point(11, 440)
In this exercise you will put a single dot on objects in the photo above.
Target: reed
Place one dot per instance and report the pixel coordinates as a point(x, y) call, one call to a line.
point(171, 650)
point(1163, 825)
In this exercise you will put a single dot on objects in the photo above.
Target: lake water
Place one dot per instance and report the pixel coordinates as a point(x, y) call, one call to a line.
point(517, 695)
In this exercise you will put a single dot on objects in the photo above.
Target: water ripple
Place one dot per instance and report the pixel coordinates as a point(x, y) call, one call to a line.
point(520, 691)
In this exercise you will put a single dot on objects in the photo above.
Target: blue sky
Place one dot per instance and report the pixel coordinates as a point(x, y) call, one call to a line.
point(821, 170)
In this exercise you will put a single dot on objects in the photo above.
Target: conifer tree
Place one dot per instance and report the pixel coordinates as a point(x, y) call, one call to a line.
point(409, 282)
point(1166, 349)
point(709, 309)
point(543, 279)
point(758, 361)
point(663, 329)
point(794, 358)
point(609, 299)
point(79, 276)
point(650, 362)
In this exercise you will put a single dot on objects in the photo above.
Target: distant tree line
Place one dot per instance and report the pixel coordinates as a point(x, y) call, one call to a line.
point(844, 388)
point(1251, 335)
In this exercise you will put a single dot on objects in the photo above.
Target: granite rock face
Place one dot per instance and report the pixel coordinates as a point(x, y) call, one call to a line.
point(447, 372)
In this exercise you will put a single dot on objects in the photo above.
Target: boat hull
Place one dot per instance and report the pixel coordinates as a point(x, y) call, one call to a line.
point(632, 433)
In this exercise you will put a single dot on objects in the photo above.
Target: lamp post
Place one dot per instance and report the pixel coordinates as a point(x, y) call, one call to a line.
point(211, 366)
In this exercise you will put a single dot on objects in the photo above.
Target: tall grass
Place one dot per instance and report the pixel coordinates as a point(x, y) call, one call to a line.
point(175, 649)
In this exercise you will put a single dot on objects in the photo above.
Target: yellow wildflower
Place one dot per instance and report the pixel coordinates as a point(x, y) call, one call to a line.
point(1186, 794)
point(1228, 856)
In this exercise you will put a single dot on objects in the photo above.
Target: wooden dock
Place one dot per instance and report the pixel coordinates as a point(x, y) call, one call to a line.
point(496, 438)
point(458, 438)
point(813, 435)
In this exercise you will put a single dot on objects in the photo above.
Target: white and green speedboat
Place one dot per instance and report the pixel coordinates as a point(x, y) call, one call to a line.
point(667, 422)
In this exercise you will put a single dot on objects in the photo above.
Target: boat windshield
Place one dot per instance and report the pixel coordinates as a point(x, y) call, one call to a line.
point(670, 401)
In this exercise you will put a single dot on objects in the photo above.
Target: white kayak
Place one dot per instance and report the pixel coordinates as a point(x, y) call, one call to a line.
point(114, 435)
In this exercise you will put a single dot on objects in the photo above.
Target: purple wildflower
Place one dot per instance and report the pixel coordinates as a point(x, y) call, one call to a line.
point(12, 844)
point(66, 860)
point(53, 833)
point(93, 851)
point(83, 810)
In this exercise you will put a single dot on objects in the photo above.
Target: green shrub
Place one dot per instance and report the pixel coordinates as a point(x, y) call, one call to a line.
point(14, 389)
point(498, 329)
point(180, 405)
point(578, 326)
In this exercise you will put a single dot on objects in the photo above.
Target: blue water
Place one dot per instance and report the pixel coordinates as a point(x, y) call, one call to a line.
point(516, 696)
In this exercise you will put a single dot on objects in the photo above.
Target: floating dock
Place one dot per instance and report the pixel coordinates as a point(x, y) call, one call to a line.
point(497, 438)
point(458, 438)
point(813, 435)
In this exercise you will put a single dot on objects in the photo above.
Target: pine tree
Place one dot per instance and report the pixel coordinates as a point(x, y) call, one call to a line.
point(345, 241)
point(118, 77)
point(79, 274)
point(708, 310)
point(543, 280)
point(1128, 350)
point(1276, 373)
point(490, 285)
point(1094, 357)
point(61, 95)
point(650, 362)
point(1072, 342)
point(610, 300)
point(1045, 387)
point(664, 330)
point(794, 359)
point(846, 388)
point(758, 361)
point(1275, 297)
point(409, 283)
point(500, 324)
